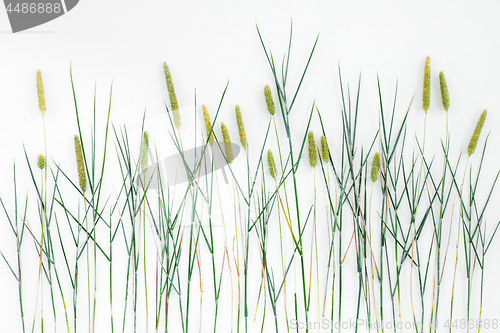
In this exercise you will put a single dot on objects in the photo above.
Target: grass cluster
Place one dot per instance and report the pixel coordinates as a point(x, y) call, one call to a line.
point(275, 244)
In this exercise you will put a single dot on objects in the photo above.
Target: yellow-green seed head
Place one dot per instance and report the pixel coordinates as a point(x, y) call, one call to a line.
point(227, 143)
point(80, 163)
point(41, 92)
point(427, 84)
point(325, 152)
point(375, 167)
point(144, 151)
point(269, 100)
point(477, 133)
point(271, 164)
point(312, 150)
point(170, 87)
point(241, 128)
point(208, 124)
point(41, 162)
point(444, 91)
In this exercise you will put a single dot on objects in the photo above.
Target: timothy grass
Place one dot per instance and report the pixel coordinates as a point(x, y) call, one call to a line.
point(371, 239)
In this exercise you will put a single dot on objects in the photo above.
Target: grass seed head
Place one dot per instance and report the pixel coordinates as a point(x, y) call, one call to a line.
point(177, 118)
point(227, 143)
point(312, 150)
point(241, 128)
point(208, 124)
point(170, 87)
point(41, 162)
point(144, 151)
point(271, 164)
point(173, 98)
point(427, 84)
point(325, 152)
point(477, 133)
point(444, 91)
point(269, 100)
point(375, 167)
point(41, 92)
point(80, 163)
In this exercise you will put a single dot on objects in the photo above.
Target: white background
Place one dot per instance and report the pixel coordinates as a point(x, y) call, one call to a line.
point(207, 44)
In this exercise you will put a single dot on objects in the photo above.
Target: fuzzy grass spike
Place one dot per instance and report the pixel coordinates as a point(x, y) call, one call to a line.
point(41, 92)
point(375, 167)
point(208, 124)
point(80, 163)
point(171, 94)
point(325, 152)
point(41, 162)
point(227, 143)
point(445, 97)
point(269, 100)
point(271, 164)
point(313, 159)
point(427, 84)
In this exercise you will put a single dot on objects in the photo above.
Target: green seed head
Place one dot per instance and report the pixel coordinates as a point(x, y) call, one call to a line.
point(80, 163)
point(170, 87)
point(375, 167)
point(41, 162)
point(271, 164)
point(269, 100)
point(208, 124)
point(444, 91)
point(173, 98)
point(477, 133)
point(227, 143)
point(325, 152)
point(427, 84)
point(241, 128)
point(144, 151)
point(312, 150)
point(41, 92)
